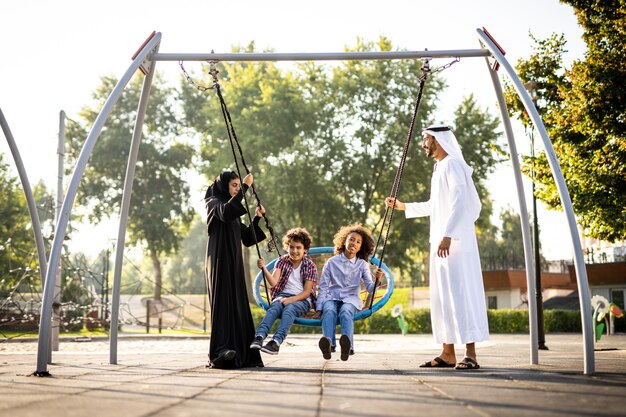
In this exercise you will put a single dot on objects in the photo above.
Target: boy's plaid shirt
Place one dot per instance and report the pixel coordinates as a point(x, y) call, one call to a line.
point(308, 272)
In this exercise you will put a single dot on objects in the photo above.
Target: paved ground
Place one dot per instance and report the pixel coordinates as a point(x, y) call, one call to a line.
point(166, 377)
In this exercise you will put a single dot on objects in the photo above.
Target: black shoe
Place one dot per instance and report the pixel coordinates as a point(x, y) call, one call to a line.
point(346, 346)
point(324, 345)
point(271, 347)
point(224, 356)
point(333, 349)
point(257, 343)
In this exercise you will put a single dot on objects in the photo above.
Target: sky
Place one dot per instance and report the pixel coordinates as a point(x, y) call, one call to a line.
point(53, 54)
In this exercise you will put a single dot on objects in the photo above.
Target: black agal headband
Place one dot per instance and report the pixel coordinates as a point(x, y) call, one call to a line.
point(438, 129)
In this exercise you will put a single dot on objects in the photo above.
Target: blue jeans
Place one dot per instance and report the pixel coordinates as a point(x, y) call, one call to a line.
point(287, 315)
point(345, 311)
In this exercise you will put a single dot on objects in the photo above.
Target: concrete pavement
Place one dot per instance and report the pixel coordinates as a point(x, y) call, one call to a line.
point(158, 376)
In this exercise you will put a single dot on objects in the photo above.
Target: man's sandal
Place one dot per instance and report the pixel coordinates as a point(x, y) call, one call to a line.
point(439, 363)
point(467, 364)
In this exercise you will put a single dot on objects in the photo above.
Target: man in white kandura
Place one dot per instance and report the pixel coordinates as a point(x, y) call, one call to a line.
point(457, 298)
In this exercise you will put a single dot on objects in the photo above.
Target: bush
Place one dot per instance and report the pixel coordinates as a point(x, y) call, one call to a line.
point(500, 321)
point(562, 321)
point(508, 321)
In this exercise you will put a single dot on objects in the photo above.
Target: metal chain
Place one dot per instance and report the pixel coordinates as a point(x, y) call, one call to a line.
point(446, 66)
point(191, 82)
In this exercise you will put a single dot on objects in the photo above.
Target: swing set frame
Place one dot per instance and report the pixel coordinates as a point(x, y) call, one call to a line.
point(145, 59)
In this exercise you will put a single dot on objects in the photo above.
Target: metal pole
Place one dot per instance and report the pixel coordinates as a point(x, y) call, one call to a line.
point(523, 213)
point(68, 202)
point(204, 313)
point(541, 340)
point(128, 190)
point(328, 56)
point(531, 87)
point(566, 202)
point(148, 316)
point(56, 317)
point(105, 291)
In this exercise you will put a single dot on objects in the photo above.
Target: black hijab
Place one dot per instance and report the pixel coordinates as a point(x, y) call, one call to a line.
point(219, 188)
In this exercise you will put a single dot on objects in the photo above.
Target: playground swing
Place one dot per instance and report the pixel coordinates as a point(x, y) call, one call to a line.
point(372, 303)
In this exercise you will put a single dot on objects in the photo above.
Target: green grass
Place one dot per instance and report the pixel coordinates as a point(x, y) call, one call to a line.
point(12, 334)
point(399, 296)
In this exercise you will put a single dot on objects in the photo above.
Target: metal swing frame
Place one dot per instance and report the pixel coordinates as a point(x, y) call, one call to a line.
point(145, 60)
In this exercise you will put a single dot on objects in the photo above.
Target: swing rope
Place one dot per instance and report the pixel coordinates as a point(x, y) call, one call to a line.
point(395, 188)
point(232, 137)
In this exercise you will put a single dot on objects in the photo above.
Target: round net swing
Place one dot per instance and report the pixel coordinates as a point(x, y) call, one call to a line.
point(320, 255)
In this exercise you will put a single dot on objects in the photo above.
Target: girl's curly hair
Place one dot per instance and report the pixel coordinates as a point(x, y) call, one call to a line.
point(297, 234)
point(367, 246)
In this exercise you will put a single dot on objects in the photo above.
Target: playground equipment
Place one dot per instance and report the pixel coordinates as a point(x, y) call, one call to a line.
point(145, 60)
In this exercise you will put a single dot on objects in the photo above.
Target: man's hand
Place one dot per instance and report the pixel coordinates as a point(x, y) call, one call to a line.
point(399, 204)
point(444, 247)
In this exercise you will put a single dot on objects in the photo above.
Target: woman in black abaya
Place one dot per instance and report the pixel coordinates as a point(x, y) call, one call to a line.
point(232, 329)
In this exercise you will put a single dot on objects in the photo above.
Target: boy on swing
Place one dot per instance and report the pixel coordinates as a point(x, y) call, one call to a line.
point(292, 289)
point(340, 285)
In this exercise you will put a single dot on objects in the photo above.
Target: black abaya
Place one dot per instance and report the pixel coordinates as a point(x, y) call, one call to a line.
point(232, 328)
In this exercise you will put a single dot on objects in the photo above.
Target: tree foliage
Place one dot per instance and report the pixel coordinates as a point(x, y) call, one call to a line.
point(324, 141)
point(17, 254)
point(584, 110)
point(159, 210)
point(505, 251)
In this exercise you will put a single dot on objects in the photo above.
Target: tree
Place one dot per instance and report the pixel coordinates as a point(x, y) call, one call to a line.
point(583, 108)
point(185, 269)
point(18, 256)
point(160, 210)
point(324, 142)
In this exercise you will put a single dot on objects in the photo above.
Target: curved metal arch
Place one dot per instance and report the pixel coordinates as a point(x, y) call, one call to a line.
point(30, 199)
point(70, 196)
point(579, 263)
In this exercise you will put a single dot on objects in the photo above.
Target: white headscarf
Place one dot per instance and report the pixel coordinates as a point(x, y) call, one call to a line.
point(446, 139)
point(448, 142)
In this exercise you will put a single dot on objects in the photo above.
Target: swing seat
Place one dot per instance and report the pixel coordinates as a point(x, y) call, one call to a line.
point(319, 256)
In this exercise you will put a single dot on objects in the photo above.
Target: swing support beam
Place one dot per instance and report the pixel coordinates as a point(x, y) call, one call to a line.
point(322, 56)
point(145, 59)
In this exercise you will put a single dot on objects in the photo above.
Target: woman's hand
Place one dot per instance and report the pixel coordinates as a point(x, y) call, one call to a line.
point(260, 211)
point(260, 263)
point(248, 180)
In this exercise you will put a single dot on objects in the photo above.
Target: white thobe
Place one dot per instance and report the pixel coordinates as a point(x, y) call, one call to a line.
point(457, 297)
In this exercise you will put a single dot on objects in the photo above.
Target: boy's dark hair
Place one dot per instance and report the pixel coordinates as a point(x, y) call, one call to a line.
point(297, 234)
point(367, 246)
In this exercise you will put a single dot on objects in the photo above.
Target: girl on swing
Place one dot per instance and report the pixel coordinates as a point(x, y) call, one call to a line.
point(232, 328)
point(340, 285)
